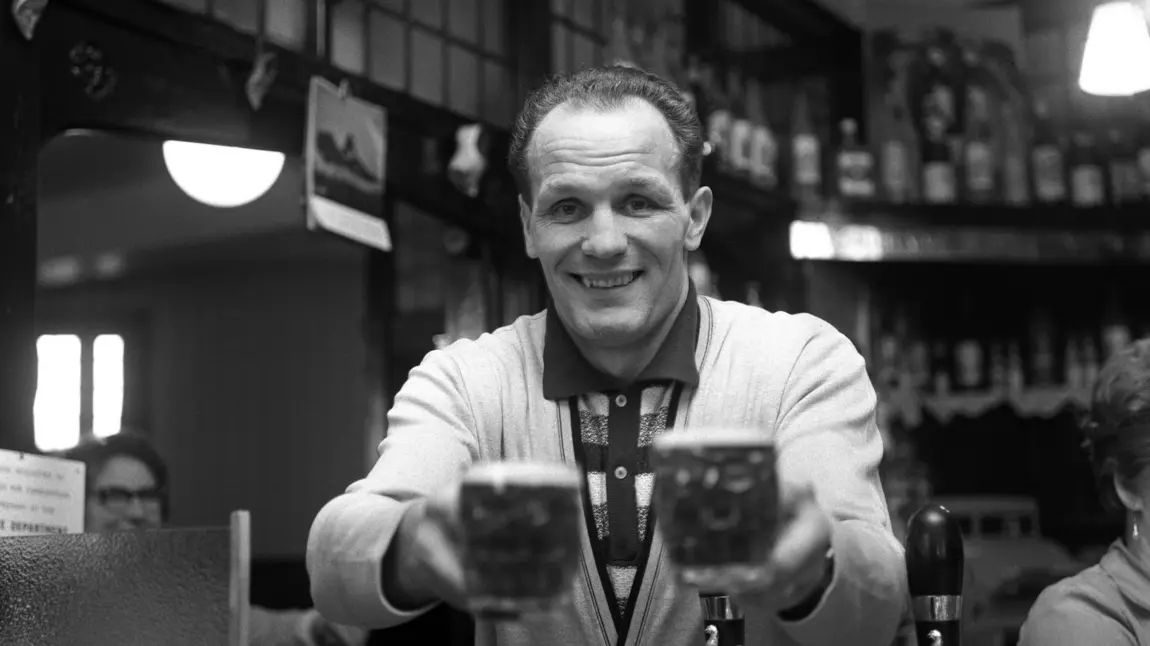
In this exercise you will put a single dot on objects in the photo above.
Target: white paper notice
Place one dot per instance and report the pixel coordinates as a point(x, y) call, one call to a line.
point(40, 495)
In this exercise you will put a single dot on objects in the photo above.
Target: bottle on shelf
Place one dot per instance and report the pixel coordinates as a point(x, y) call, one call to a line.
point(1016, 179)
point(980, 155)
point(898, 171)
point(1042, 357)
point(739, 158)
point(936, 96)
point(1015, 371)
point(1087, 181)
point(1142, 137)
point(1047, 158)
point(806, 151)
point(1123, 169)
point(764, 147)
point(855, 165)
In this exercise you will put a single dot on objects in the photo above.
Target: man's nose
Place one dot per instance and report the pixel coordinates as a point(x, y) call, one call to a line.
point(605, 238)
point(135, 509)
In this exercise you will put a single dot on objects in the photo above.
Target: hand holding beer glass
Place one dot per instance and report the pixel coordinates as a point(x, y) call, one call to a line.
point(519, 534)
point(730, 526)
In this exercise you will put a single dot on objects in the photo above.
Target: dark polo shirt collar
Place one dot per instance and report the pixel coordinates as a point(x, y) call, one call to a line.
point(566, 373)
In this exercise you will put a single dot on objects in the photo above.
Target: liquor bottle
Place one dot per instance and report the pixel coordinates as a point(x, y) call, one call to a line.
point(942, 368)
point(1123, 170)
point(1042, 357)
point(806, 152)
point(998, 369)
point(719, 121)
point(855, 165)
point(1047, 158)
point(1143, 150)
point(1015, 375)
point(1075, 372)
point(1087, 182)
point(1016, 179)
point(897, 171)
point(739, 158)
point(935, 99)
point(981, 159)
point(1090, 363)
point(764, 148)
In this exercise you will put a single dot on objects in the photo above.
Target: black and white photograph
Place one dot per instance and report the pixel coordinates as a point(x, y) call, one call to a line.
point(346, 165)
point(575, 323)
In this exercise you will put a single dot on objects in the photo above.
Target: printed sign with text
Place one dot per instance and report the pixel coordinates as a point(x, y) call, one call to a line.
point(40, 495)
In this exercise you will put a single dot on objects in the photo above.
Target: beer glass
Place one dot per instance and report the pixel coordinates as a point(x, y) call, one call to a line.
point(521, 525)
point(717, 506)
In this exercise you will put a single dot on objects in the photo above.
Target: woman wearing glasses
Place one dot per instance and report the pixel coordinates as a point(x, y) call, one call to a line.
point(127, 490)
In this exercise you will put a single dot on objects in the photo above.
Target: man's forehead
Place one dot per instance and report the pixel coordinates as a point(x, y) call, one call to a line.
point(635, 133)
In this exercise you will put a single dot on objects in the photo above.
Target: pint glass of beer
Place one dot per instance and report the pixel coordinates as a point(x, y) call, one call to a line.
point(717, 506)
point(521, 525)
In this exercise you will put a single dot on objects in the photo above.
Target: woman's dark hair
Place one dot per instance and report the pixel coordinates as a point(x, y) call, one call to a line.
point(1117, 428)
point(608, 88)
point(96, 452)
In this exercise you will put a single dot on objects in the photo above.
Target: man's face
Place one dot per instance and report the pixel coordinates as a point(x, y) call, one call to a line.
point(607, 220)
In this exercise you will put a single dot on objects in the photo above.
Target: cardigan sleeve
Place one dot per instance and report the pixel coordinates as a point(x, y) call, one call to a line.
point(431, 438)
point(1071, 613)
point(826, 435)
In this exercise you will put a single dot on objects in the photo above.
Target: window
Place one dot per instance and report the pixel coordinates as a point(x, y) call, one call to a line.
point(450, 53)
point(579, 31)
point(80, 386)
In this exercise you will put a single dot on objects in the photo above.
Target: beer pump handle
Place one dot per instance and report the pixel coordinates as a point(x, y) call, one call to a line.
point(722, 621)
point(934, 569)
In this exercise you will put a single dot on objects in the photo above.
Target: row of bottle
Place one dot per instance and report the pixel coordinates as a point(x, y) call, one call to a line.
point(951, 123)
point(968, 363)
point(1049, 170)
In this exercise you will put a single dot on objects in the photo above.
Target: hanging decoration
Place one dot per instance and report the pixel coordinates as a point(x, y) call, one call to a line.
point(467, 165)
point(27, 14)
point(264, 67)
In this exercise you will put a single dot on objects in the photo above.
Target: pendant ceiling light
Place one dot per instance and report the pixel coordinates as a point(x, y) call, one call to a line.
point(1116, 61)
point(222, 176)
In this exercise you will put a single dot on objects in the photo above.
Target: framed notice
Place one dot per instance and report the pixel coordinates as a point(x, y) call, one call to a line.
point(346, 170)
point(40, 495)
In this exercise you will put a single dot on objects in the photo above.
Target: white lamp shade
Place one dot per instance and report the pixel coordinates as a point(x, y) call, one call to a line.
point(1116, 61)
point(222, 176)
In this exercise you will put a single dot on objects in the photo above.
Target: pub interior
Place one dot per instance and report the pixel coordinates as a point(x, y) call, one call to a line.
point(938, 179)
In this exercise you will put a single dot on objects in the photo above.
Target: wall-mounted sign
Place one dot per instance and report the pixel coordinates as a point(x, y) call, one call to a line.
point(346, 165)
point(40, 495)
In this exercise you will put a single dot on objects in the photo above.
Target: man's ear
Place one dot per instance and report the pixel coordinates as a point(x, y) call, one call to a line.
point(700, 210)
point(525, 219)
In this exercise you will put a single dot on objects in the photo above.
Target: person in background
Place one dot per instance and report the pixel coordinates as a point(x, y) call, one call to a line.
point(127, 490)
point(1109, 603)
point(608, 163)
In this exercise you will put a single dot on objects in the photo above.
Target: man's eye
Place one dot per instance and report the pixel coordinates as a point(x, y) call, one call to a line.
point(638, 204)
point(565, 209)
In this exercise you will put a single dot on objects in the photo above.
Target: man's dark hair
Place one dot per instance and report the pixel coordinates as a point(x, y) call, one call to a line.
point(96, 452)
point(609, 88)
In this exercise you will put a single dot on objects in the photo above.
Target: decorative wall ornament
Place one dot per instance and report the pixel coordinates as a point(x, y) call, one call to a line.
point(89, 66)
point(467, 165)
point(263, 74)
point(27, 14)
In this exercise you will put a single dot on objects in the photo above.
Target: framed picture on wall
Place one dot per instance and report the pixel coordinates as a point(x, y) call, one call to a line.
point(346, 165)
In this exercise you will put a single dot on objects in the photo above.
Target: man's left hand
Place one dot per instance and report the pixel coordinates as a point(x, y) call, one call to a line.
point(799, 563)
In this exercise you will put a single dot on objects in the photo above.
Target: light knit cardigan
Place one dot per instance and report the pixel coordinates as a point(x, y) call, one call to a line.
point(794, 377)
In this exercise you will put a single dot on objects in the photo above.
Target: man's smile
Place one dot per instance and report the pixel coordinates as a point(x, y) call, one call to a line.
point(606, 280)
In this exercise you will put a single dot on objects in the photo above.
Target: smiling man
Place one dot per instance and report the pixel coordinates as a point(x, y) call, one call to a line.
point(608, 163)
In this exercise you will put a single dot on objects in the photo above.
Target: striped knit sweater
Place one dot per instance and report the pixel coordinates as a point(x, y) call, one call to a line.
point(593, 415)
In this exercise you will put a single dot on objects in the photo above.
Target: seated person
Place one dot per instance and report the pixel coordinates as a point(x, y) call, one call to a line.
point(1109, 603)
point(127, 490)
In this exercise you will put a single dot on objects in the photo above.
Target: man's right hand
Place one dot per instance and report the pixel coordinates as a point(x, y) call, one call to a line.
point(424, 562)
